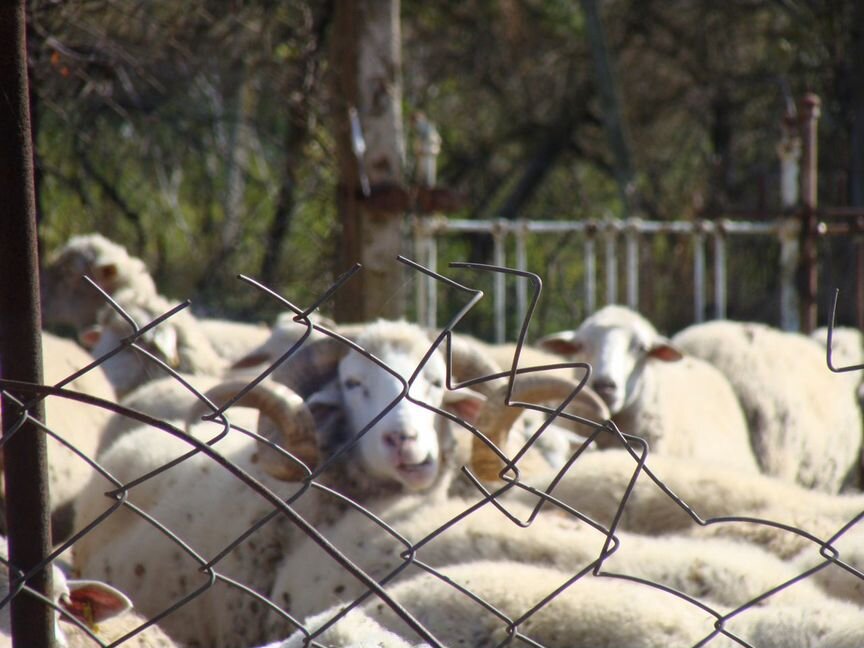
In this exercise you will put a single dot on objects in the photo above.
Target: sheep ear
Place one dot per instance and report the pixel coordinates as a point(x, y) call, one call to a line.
point(466, 403)
point(94, 601)
point(564, 343)
point(665, 351)
point(89, 337)
point(106, 276)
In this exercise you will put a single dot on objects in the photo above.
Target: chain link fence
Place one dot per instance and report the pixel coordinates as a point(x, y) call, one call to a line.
point(613, 547)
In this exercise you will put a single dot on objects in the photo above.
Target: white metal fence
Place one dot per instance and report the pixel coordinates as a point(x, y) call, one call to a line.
point(615, 239)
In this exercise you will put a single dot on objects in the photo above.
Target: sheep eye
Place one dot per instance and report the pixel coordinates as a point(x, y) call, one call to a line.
point(437, 382)
point(351, 383)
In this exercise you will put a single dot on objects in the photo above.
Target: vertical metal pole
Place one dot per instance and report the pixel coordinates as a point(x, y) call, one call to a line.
point(590, 269)
point(810, 110)
point(611, 240)
point(430, 285)
point(499, 242)
point(719, 272)
point(698, 275)
point(632, 251)
point(422, 257)
point(522, 265)
point(25, 464)
point(790, 255)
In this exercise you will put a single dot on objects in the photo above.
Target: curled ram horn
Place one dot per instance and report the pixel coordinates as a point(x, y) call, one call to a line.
point(496, 418)
point(285, 420)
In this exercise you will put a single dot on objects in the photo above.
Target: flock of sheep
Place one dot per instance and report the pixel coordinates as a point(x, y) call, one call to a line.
point(383, 485)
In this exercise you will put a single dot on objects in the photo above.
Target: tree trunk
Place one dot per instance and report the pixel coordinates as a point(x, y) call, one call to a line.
point(25, 464)
point(367, 72)
point(610, 103)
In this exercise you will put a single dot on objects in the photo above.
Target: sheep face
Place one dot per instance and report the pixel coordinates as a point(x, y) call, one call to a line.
point(617, 343)
point(402, 444)
point(406, 440)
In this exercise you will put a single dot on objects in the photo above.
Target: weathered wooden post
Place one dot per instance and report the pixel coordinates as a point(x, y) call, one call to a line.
point(25, 465)
point(372, 199)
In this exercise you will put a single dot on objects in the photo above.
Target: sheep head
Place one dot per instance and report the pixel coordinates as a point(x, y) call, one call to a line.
point(68, 299)
point(617, 342)
point(386, 398)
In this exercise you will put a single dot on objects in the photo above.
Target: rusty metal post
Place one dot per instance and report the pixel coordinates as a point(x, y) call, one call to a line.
point(810, 110)
point(25, 465)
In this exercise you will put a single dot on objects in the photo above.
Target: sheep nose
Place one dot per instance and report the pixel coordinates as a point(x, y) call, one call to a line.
point(399, 438)
point(605, 388)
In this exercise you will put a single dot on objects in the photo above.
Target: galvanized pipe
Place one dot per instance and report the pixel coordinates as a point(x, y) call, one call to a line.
point(611, 242)
point(632, 251)
point(522, 266)
point(590, 247)
point(720, 273)
point(500, 259)
point(698, 276)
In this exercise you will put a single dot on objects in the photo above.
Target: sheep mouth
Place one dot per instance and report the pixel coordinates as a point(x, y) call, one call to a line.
point(419, 474)
point(418, 466)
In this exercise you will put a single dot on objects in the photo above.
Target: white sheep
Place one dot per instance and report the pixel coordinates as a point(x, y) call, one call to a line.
point(712, 570)
point(103, 610)
point(284, 334)
point(167, 399)
point(805, 426)
point(597, 482)
point(505, 598)
point(69, 300)
point(73, 421)
point(680, 405)
point(408, 449)
point(178, 341)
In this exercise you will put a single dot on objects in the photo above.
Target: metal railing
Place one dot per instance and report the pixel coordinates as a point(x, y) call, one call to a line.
point(616, 238)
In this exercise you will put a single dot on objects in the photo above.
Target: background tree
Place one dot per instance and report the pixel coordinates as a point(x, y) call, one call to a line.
point(202, 135)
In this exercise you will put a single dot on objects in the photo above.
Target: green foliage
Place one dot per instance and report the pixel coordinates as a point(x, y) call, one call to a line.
point(186, 131)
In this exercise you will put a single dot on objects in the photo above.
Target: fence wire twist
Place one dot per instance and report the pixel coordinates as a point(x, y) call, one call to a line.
point(516, 629)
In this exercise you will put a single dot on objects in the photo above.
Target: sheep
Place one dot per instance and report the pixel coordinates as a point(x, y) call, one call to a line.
point(285, 332)
point(103, 610)
point(408, 449)
point(597, 482)
point(679, 404)
point(73, 421)
point(170, 398)
point(719, 571)
point(165, 398)
point(561, 438)
point(507, 599)
point(68, 300)
point(178, 341)
point(804, 426)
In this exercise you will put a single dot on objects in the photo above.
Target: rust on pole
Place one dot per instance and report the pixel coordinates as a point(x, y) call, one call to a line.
point(25, 465)
point(810, 111)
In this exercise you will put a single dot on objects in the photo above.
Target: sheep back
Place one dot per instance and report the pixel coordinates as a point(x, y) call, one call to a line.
point(804, 426)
